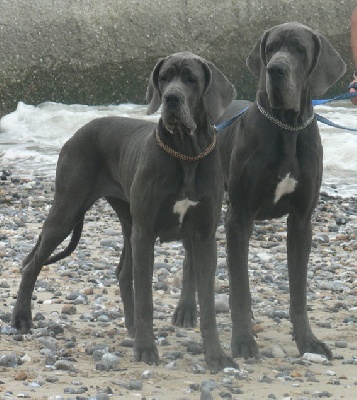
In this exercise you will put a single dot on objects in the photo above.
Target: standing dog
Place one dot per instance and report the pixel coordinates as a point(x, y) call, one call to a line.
point(272, 160)
point(162, 180)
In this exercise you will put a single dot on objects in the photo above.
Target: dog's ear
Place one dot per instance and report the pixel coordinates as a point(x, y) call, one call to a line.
point(257, 56)
point(219, 91)
point(329, 66)
point(153, 96)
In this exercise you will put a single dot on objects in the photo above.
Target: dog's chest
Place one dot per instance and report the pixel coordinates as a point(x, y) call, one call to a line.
point(285, 186)
point(181, 207)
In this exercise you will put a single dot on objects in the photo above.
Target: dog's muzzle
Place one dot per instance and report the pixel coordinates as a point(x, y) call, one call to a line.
point(278, 85)
point(175, 112)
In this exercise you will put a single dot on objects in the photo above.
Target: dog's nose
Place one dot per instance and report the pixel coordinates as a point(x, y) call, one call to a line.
point(172, 98)
point(277, 70)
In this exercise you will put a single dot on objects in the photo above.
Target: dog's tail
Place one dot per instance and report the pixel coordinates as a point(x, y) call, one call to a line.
point(76, 235)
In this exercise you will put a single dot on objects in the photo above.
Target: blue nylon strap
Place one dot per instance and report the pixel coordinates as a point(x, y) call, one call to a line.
point(326, 121)
point(344, 96)
point(225, 124)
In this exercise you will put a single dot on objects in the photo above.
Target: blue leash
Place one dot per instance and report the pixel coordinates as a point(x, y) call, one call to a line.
point(344, 96)
point(225, 124)
point(320, 118)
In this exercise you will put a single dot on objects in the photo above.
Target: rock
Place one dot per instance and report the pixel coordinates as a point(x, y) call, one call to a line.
point(46, 48)
point(222, 303)
point(64, 365)
point(110, 360)
point(315, 358)
point(21, 376)
point(69, 309)
point(206, 394)
point(277, 351)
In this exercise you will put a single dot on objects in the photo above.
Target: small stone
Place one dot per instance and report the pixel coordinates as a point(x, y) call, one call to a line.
point(330, 373)
point(171, 365)
point(147, 374)
point(111, 360)
point(135, 385)
point(277, 351)
point(21, 376)
point(315, 358)
point(222, 303)
point(206, 394)
point(9, 360)
point(69, 309)
point(198, 369)
point(88, 291)
point(64, 365)
point(340, 344)
point(265, 379)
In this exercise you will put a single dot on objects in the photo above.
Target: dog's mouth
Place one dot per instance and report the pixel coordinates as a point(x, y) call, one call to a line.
point(178, 121)
point(276, 99)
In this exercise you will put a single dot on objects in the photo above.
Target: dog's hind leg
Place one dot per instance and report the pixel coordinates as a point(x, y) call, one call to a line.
point(61, 220)
point(298, 246)
point(124, 270)
point(185, 314)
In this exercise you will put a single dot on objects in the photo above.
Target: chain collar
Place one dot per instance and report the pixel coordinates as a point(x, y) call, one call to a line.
point(282, 124)
point(184, 157)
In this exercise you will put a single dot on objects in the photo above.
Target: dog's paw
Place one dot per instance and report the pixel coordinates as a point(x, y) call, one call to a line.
point(217, 362)
point(21, 320)
point(146, 352)
point(245, 347)
point(185, 315)
point(314, 345)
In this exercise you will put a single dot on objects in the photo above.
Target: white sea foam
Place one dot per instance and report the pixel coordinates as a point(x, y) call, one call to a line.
point(31, 137)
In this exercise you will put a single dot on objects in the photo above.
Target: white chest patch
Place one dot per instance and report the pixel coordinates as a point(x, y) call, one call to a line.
point(181, 207)
point(285, 186)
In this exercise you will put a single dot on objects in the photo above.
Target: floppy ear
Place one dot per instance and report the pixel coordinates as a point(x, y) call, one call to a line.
point(257, 55)
point(219, 92)
point(329, 66)
point(153, 96)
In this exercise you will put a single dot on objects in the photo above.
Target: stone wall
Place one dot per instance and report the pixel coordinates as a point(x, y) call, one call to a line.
point(100, 52)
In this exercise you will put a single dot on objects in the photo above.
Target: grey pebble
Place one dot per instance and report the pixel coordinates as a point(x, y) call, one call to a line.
point(221, 303)
point(198, 369)
point(9, 360)
point(206, 394)
point(64, 365)
point(147, 374)
point(171, 365)
point(111, 360)
point(341, 344)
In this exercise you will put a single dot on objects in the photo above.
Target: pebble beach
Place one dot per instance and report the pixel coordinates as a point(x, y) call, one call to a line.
point(79, 347)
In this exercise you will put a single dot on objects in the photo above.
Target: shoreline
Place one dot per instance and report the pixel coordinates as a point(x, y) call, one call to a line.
point(79, 316)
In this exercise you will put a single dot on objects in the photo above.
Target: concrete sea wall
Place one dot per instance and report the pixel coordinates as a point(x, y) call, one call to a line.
point(100, 52)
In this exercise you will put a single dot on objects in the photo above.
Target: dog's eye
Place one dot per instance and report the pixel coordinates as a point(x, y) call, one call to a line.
point(191, 79)
point(188, 77)
point(269, 49)
point(163, 78)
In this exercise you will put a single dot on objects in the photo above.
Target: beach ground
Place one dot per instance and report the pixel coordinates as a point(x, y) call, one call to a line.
point(79, 347)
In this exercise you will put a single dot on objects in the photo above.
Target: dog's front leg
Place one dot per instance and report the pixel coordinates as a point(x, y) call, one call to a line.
point(142, 243)
point(298, 246)
point(204, 259)
point(238, 231)
point(186, 310)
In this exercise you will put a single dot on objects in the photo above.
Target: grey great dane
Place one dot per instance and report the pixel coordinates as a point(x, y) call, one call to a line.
point(163, 181)
point(272, 160)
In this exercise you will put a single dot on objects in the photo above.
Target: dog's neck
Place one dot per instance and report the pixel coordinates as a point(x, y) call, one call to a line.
point(293, 118)
point(184, 144)
point(289, 124)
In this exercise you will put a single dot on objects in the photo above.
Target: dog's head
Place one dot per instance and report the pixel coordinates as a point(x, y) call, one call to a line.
point(292, 60)
point(187, 86)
